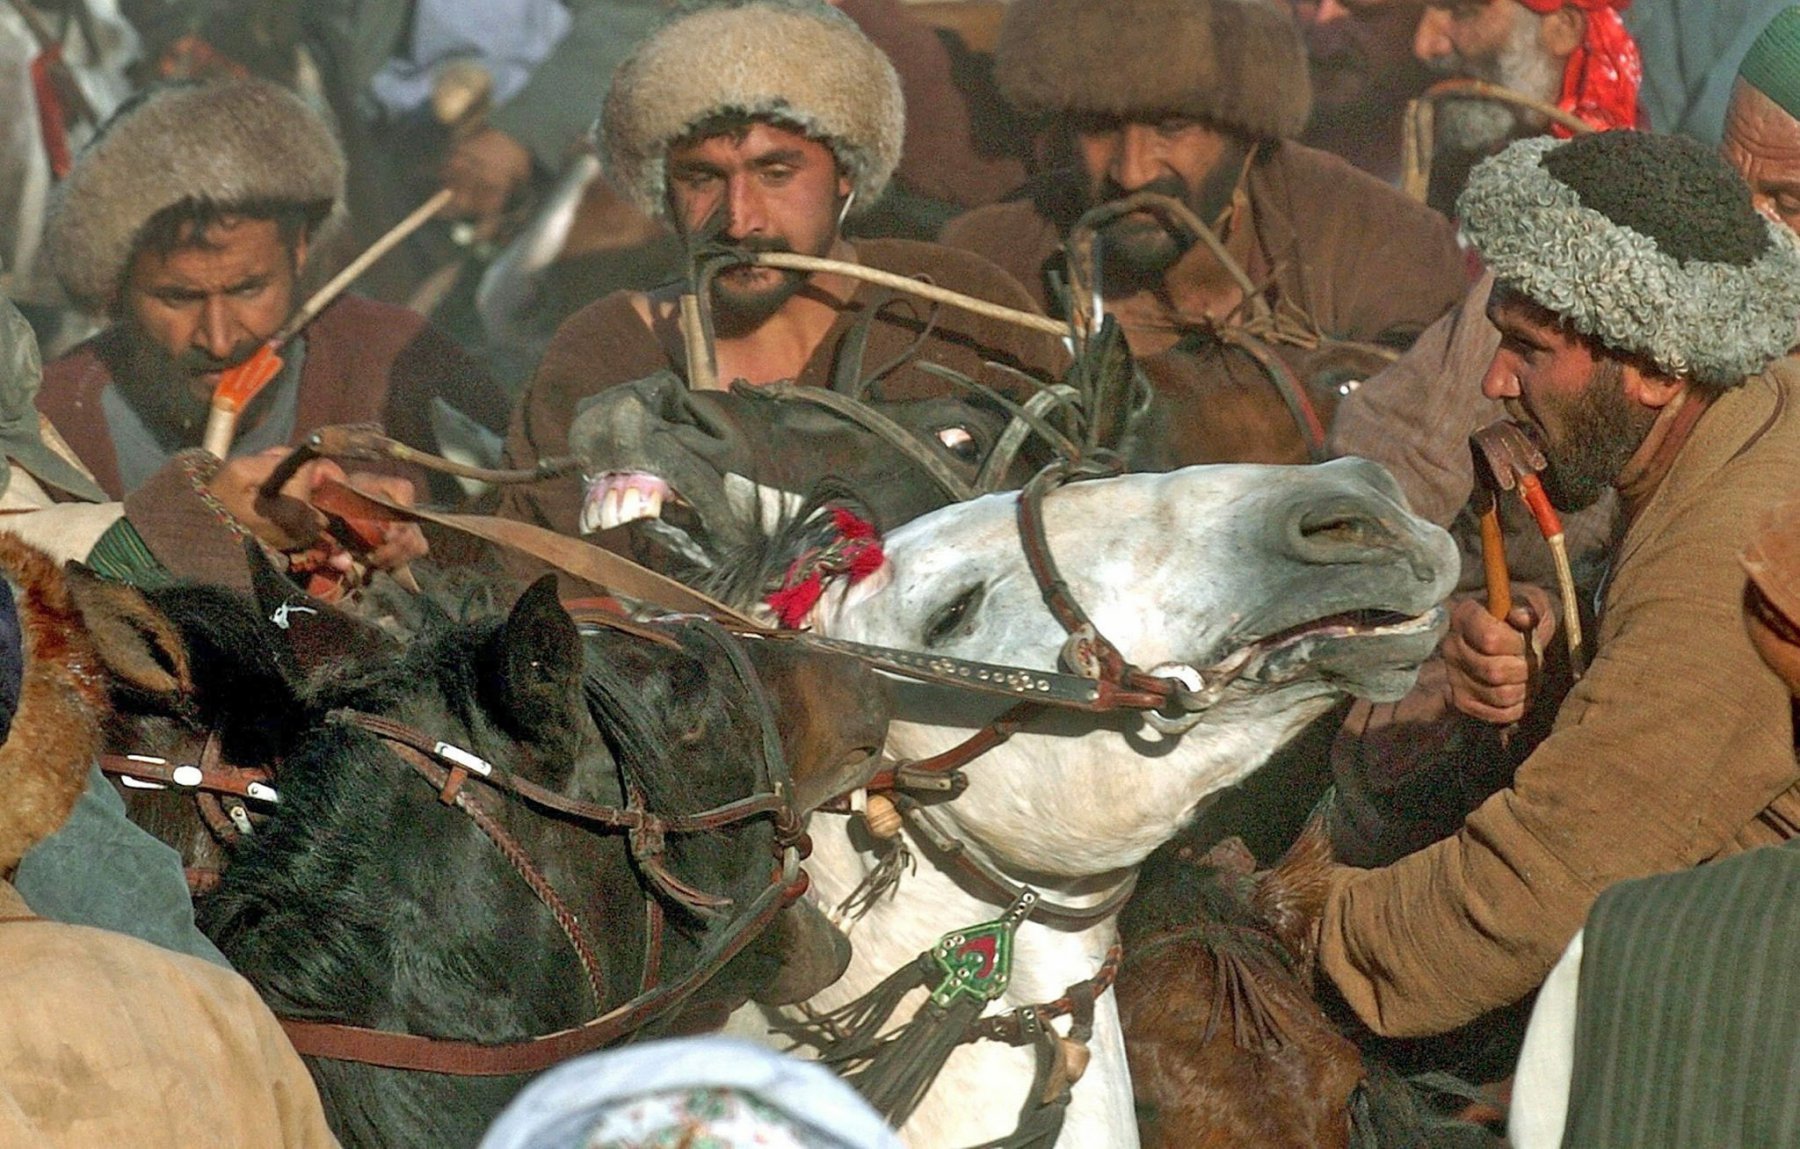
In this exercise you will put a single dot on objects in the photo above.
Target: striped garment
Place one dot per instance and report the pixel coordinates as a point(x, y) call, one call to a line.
point(1689, 1015)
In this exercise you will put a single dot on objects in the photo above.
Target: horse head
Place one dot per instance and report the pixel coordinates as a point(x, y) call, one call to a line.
point(1319, 575)
point(727, 464)
point(375, 898)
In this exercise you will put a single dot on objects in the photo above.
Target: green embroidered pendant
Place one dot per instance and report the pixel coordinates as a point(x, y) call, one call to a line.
point(977, 961)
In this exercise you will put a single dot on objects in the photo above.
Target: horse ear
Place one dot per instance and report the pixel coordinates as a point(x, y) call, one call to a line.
point(135, 641)
point(537, 665)
point(314, 631)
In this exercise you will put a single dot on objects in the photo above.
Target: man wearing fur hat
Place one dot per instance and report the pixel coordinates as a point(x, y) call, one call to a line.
point(1199, 100)
point(1645, 310)
point(1576, 55)
point(191, 221)
point(760, 127)
point(1415, 417)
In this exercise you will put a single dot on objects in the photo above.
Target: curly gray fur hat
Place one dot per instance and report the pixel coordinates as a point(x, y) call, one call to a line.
point(1716, 322)
point(228, 143)
point(802, 62)
point(1238, 64)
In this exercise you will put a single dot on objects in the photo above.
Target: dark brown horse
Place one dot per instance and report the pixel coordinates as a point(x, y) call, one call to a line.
point(1228, 1046)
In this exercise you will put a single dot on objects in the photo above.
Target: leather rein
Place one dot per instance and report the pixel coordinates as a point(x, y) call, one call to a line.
point(1096, 677)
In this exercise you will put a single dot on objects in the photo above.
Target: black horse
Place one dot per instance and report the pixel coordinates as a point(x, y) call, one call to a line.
point(371, 901)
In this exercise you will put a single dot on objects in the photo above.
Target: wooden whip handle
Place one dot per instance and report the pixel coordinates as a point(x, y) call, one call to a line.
point(1493, 564)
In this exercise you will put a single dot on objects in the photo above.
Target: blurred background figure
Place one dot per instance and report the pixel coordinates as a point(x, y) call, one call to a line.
point(1363, 74)
point(1691, 50)
point(1574, 55)
point(63, 70)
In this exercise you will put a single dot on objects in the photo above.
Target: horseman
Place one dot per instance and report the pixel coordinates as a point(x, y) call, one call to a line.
point(1679, 975)
point(1644, 311)
point(1415, 417)
point(760, 128)
point(191, 222)
point(1198, 100)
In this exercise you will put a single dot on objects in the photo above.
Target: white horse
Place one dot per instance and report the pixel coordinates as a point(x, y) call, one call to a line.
point(1320, 570)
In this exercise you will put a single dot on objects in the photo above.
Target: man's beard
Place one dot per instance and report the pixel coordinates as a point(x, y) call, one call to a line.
point(1601, 430)
point(161, 387)
point(1136, 250)
point(1523, 67)
point(741, 309)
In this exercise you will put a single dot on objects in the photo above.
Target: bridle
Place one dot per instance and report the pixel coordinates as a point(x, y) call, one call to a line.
point(1096, 678)
point(471, 784)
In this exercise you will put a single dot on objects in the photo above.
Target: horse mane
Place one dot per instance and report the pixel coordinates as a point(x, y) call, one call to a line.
point(744, 574)
point(1219, 978)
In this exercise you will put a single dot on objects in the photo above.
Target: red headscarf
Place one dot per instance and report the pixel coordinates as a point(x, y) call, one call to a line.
point(1601, 80)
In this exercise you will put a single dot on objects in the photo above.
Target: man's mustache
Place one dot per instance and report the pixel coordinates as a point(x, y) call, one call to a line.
point(755, 244)
point(1168, 186)
point(197, 361)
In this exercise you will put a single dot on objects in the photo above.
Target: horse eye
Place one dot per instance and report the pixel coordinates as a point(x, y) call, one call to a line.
point(959, 442)
point(953, 619)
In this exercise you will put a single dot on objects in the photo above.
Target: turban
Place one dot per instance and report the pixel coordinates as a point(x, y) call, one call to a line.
point(699, 1091)
point(1772, 65)
point(1602, 77)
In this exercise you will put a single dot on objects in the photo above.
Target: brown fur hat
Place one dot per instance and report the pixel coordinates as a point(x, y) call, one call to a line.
point(230, 143)
point(1237, 64)
point(797, 60)
point(55, 731)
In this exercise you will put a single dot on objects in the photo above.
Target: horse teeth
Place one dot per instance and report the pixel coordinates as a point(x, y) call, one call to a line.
point(631, 504)
point(591, 507)
point(653, 501)
point(609, 505)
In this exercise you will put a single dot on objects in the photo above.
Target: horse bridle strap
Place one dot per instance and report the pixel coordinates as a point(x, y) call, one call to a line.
point(515, 854)
point(474, 1059)
point(1088, 652)
point(448, 769)
point(991, 884)
point(463, 765)
point(207, 776)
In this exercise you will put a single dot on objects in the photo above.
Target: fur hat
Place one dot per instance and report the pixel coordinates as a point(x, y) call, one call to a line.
point(229, 143)
point(1647, 243)
point(1237, 64)
point(799, 61)
point(60, 701)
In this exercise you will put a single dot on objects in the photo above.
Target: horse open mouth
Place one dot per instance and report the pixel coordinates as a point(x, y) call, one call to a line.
point(620, 497)
point(1373, 653)
point(1367, 623)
